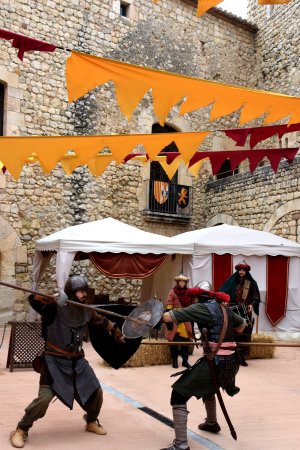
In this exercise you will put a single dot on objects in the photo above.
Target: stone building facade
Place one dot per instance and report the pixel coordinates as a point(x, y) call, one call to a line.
point(166, 36)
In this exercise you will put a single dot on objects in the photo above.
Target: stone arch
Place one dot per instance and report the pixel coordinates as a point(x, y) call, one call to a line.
point(221, 218)
point(291, 206)
point(11, 253)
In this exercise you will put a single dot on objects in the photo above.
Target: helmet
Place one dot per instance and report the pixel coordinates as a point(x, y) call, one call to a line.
point(243, 265)
point(74, 284)
point(205, 285)
point(181, 277)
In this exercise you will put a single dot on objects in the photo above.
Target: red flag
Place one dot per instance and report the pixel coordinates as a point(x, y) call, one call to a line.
point(26, 44)
point(221, 269)
point(277, 287)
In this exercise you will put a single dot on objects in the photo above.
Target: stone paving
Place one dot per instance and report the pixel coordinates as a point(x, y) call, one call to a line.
point(265, 414)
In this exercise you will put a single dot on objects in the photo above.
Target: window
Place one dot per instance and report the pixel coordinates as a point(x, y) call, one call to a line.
point(225, 170)
point(124, 9)
point(166, 197)
point(2, 89)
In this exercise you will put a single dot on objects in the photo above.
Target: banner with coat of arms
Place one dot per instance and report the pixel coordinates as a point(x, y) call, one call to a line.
point(183, 196)
point(161, 191)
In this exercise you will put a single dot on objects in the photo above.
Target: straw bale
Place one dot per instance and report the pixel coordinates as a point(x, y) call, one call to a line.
point(262, 352)
point(150, 355)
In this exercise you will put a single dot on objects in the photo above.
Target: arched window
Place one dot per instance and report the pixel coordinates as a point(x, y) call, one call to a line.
point(2, 90)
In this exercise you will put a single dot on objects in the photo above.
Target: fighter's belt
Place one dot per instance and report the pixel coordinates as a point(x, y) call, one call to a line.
point(54, 350)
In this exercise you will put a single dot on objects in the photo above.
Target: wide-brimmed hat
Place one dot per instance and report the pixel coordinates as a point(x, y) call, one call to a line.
point(181, 277)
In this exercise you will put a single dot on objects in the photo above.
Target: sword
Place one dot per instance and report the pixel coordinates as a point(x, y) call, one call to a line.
point(212, 369)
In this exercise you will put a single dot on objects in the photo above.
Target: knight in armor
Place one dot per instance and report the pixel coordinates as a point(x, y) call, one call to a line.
point(64, 371)
point(197, 381)
point(179, 297)
point(244, 299)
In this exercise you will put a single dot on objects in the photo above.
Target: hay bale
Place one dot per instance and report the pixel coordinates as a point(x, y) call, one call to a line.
point(261, 352)
point(150, 355)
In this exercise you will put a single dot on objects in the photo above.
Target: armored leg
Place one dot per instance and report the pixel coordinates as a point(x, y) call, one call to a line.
point(180, 414)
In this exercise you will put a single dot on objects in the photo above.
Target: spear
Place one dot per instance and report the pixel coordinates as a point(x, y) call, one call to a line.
point(79, 305)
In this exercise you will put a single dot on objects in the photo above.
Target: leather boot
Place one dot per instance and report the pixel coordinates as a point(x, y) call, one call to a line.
point(18, 438)
point(185, 355)
point(210, 424)
point(174, 356)
point(95, 427)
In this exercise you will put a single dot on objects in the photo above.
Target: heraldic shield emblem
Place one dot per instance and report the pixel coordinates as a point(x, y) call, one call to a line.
point(183, 196)
point(161, 191)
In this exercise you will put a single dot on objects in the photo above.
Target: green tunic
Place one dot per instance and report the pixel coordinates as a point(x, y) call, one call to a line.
point(197, 381)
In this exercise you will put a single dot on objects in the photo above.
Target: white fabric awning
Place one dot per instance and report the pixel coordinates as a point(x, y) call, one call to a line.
point(110, 235)
point(237, 240)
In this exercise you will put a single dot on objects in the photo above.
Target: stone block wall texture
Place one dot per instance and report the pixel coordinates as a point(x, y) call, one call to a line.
point(166, 36)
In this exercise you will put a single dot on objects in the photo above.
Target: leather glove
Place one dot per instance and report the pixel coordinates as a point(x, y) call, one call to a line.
point(116, 333)
point(61, 298)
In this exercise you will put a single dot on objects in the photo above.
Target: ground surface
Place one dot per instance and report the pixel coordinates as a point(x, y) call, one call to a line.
point(265, 414)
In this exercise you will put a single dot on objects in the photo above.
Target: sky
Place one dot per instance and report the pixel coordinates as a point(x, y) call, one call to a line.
point(237, 7)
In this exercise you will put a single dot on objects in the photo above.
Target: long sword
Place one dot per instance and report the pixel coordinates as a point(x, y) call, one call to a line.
point(213, 374)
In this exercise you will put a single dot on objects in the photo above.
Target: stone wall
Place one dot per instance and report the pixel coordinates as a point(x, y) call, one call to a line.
point(263, 200)
point(277, 46)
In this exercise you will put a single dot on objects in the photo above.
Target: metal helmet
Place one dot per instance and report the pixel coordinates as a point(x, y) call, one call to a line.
point(204, 284)
point(75, 283)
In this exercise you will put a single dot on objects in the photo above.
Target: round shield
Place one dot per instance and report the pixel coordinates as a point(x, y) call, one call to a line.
point(145, 317)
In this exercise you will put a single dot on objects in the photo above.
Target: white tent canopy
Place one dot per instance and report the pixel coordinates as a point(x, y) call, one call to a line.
point(231, 239)
point(254, 246)
point(102, 236)
point(110, 235)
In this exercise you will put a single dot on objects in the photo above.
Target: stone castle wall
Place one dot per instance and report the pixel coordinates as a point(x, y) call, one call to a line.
point(265, 200)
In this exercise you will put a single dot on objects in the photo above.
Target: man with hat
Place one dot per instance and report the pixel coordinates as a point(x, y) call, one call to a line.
point(179, 297)
point(244, 298)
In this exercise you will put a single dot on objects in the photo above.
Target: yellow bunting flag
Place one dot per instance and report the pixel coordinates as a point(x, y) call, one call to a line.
point(205, 5)
point(187, 151)
point(85, 72)
point(14, 153)
point(170, 169)
point(69, 163)
point(99, 163)
point(49, 150)
point(196, 167)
